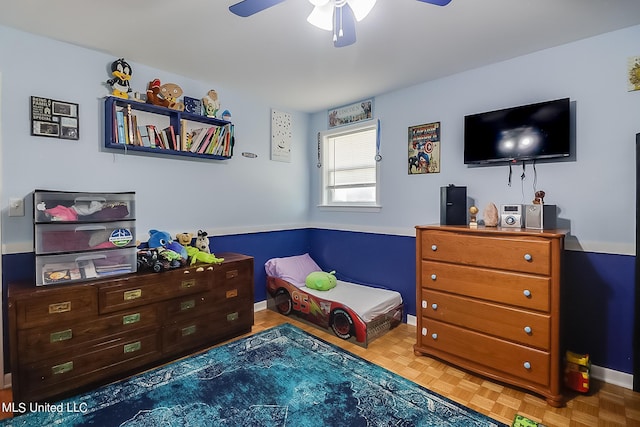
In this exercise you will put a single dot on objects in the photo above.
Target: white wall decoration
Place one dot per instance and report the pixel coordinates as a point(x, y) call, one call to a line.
point(280, 136)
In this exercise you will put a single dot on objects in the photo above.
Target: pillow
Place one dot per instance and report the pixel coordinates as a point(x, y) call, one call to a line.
point(321, 281)
point(293, 269)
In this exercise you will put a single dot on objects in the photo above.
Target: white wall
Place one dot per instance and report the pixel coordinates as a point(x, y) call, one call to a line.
point(595, 193)
point(172, 194)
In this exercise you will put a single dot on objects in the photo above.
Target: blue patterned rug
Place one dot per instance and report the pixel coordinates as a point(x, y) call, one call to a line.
point(279, 377)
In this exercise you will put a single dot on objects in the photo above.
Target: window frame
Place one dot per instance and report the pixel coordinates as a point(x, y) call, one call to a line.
point(324, 138)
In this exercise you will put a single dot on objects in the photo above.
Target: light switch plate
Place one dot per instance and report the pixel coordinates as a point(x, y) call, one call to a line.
point(16, 207)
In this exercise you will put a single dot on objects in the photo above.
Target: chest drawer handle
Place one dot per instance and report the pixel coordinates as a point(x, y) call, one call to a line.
point(528, 257)
point(434, 277)
point(232, 316)
point(130, 319)
point(189, 330)
point(131, 295)
point(61, 307)
point(434, 247)
point(231, 274)
point(526, 293)
point(527, 330)
point(186, 284)
point(527, 365)
point(434, 306)
point(65, 335)
point(424, 304)
point(130, 348)
point(187, 305)
point(62, 368)
point(434, 336)
point(424, 332)
point(232, 293)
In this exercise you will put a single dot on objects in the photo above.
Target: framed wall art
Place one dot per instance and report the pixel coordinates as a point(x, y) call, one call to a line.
point(424, 149)
point(351, 113)
point(52, 118)
point(280, 136)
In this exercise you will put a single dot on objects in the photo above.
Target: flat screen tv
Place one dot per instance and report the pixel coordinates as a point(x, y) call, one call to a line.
point(528, 132)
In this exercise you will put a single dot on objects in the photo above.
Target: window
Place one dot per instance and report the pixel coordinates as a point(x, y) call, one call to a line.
point(349, 170)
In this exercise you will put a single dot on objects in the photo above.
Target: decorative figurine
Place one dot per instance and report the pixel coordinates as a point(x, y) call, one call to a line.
point(211, 103)
point(539, 200)
point(491, 215)
point(164, 95)
point(473, 211)
point(121, 72)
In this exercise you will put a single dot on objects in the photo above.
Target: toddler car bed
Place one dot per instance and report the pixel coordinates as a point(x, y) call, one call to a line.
point(352, 311)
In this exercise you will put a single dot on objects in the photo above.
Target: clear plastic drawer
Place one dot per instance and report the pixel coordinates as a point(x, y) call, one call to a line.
point(67, 268)
point(57, 238)
point(62, 206)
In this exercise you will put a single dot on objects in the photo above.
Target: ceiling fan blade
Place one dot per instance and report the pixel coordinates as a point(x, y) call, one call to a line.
point(249, 7)
point(346, 22)
point(437, 2)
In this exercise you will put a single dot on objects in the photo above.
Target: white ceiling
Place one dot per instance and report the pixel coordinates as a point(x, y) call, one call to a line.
point(278, 56)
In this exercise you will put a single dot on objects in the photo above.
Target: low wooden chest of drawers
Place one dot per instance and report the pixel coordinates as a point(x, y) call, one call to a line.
point(67, 338)
point(489, 301)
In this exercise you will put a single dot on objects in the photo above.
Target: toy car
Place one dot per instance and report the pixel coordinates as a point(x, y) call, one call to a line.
point(148, 260)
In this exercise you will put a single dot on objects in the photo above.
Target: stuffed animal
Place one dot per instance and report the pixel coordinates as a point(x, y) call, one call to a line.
point(321, 281)
point(164, 95)
point(539, 200)
point(184, 238)
point(211, 103)
point(158, 238)
point(197, 255)
point(121, 72)
point(202, 242)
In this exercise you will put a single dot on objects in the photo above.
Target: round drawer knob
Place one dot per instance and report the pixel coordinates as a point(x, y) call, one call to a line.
point(434, 247)
point(433, 277)
point(434, 306)
point(528, 257)
point(526, 365)
point(434, 336)
point(528, 330)
point(527, 293)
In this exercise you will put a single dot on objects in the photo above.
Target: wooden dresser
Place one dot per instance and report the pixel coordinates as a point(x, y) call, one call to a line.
point(488, 300)
point(67, 338)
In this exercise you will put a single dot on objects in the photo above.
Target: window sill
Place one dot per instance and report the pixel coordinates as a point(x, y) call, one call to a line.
point(350, 208)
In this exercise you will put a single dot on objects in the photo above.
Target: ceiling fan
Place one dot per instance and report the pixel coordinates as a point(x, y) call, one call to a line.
point(339, 16)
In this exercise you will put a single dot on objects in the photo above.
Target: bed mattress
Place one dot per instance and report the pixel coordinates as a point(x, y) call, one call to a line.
point(366, 301)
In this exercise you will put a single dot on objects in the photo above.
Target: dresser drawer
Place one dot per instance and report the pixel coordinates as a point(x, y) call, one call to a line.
point(56, 238)
point(225, 321)
point(62, 206)
point(51, 339)
point(81, 368)
point(82, 266)
point(152, 287)
point(526, 363)
point(521, 290)
point(531, 329)
point(188, 306)
point(518, 253)
point(233, 281)
point(77, 302)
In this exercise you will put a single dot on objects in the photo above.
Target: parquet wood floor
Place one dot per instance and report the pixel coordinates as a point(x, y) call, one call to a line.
point(605, 406)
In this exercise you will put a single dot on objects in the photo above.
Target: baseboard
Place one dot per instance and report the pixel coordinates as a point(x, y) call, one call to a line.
point(259, 306)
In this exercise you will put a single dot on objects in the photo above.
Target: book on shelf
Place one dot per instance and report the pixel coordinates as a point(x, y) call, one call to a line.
point(197, 136)
point(207, 140)
point(120, 126)
point(192, 105)
point(171, 137)
point(143, 133)
point(129, 127)
point(151, 131)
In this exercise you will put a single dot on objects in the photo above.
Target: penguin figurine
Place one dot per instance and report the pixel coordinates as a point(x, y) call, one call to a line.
point(121, 72)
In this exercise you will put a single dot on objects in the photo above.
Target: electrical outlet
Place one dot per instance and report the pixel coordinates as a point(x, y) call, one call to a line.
point(16, 207)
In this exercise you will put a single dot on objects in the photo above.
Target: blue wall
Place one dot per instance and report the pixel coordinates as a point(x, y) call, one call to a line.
point(598, 289)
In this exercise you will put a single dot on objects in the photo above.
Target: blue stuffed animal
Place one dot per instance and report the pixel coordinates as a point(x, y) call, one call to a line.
point(162, 239)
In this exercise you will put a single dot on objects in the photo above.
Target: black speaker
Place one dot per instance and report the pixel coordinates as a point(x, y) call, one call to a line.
point(453, 205)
